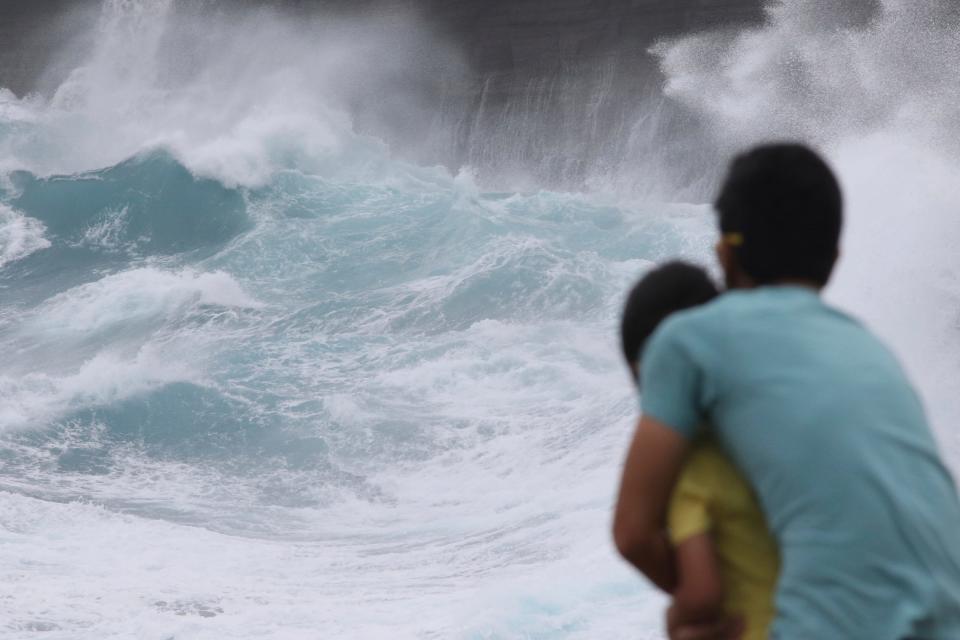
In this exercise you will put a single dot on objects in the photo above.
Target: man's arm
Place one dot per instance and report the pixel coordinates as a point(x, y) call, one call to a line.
point(639, 526)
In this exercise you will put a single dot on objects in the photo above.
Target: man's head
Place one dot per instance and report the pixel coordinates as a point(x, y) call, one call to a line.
point(671, 287)
point(780, 212)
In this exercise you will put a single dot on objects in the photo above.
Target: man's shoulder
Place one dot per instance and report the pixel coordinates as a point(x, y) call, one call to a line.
point(745, 310)
point(697, 322)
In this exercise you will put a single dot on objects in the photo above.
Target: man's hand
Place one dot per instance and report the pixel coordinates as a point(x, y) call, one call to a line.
point(725, 629)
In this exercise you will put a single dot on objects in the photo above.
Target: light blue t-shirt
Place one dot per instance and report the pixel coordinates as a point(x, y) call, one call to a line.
point(823, 422)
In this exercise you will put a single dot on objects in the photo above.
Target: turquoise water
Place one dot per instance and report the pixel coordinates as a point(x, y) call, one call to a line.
point(382, 404)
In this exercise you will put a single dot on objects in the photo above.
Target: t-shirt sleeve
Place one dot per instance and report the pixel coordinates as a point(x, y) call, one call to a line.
point(688, 514)
point(671, 382)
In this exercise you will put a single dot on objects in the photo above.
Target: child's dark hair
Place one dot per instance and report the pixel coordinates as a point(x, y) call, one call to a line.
point(781, 205)
point(671, 287)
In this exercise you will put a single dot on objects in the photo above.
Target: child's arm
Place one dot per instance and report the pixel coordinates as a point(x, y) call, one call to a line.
point(697, 610)
point(699, 594)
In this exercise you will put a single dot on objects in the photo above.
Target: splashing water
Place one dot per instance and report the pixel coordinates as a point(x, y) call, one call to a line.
point(881, 101)
point(263, 378)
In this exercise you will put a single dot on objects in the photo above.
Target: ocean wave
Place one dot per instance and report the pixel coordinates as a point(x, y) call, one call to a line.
point(147, 205)
point(35, 399)
point(110, 339)
point(129, 298)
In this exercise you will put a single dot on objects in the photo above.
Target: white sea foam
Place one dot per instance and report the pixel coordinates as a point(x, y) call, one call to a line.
point(36, 398)
point(129, 297)
point(108, 340)
point(107, 233)
point(181, 581)
point(19, 235)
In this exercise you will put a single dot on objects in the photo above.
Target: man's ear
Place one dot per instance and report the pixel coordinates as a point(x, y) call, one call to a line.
point(724, 255)
point(728, 262)
point(733, 275)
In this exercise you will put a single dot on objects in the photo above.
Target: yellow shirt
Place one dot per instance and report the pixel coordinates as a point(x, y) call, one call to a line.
point(712, 497)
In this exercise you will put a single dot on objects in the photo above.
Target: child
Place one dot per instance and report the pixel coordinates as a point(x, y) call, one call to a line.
point(727, 562)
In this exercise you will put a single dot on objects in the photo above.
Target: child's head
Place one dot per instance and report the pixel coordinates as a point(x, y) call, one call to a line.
point(668, 288)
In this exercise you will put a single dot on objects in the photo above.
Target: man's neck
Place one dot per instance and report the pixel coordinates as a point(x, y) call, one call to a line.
point(799, 282)
point(746, 282)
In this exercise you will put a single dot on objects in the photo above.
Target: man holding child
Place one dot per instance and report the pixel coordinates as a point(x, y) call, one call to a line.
point(811, 411)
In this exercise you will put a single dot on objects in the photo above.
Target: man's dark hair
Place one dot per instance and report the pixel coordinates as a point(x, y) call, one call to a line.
point(671, 287)
point(781, 209)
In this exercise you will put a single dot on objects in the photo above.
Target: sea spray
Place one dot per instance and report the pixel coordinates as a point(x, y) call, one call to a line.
point(880, 100)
